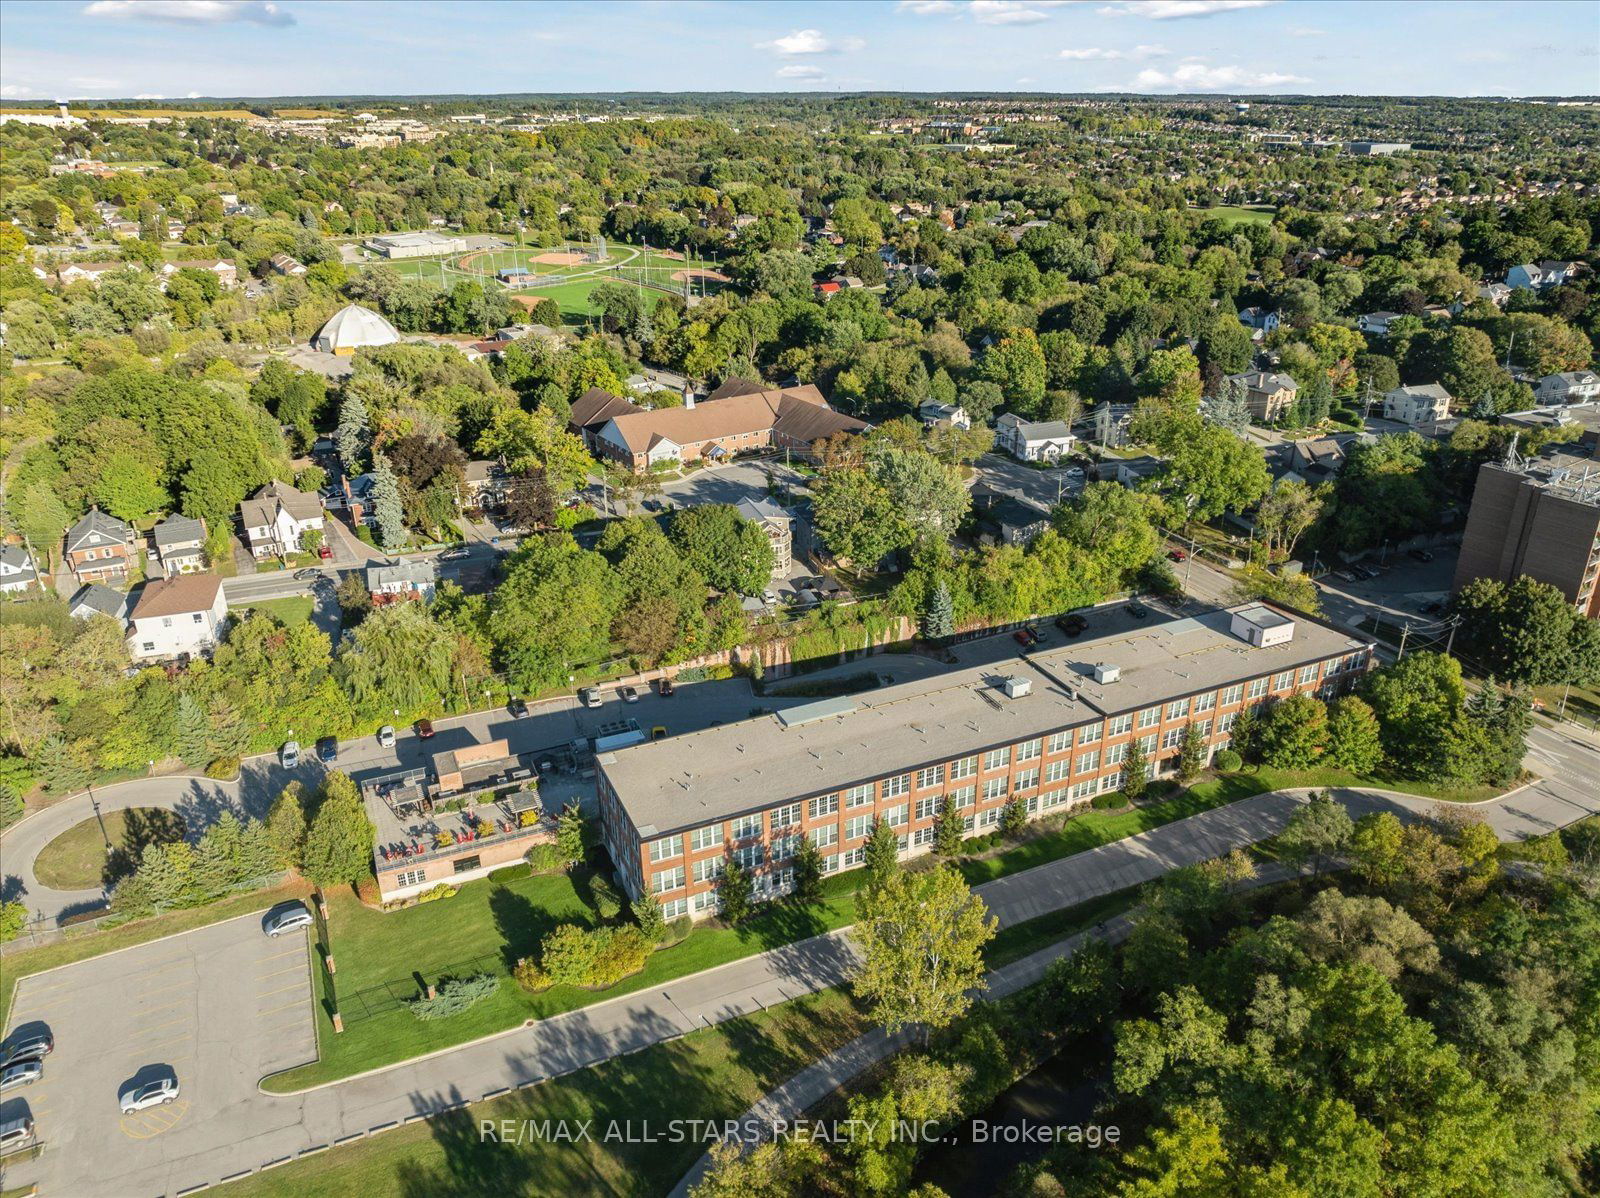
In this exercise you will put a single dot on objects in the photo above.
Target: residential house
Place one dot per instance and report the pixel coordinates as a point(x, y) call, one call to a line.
point(1266, 393)
point(93, 599)
point(277, 516)
point(1377, 323)
point(1033, 440)
point(92, 272)
point(485, 483)
point(1007, 519)
point(17, 572)
point(1423, 404)
point(1111, 422)
point(776, 522)
point(224, 271)
point(180, 545)
point(1496, 293)
point(1262, 320)
point(1569, 387)
point(99, 548)
point(177, 617)
point(395, 582)
point(1317, 459)
point(283, 264)
point(1131, 471)
point(949, 415)
point(1540, 276)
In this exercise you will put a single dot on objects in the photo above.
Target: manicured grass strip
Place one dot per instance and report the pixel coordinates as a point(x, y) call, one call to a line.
point(76, 860)
point(1020, 939)
point(295, 609)
point(712, 1074)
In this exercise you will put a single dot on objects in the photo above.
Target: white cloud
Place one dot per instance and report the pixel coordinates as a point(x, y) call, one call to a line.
point(1172, 10)
point(1200, 77)
point(149, 96)
point(16, 91)
point(799, 72)
point(809, 41)
point(1306, 31)
point(1007, 12)
point(191, 12)
point(1097, 54)
point(925, 8)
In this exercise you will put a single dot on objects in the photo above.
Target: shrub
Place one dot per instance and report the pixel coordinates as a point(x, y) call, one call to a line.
point(444, 840)
point(567, 955)
point(528, 819)
point(607, 900)
point(544, 858)
point(455, 995)
point(593, 957)
point(223, 768)
point(1112, 800)
point(482, 828)
point(442, 891)
point(620, 952)
point(531, 977)
point(678, 931)
point(1228, 761)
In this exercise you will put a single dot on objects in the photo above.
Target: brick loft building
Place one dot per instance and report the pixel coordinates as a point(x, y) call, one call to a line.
point(1052, 729)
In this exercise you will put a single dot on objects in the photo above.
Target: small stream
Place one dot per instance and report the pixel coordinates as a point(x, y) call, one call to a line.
point(976, 1158)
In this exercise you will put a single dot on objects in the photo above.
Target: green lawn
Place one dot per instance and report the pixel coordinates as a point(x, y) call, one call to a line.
point(296, 609)
point(1255, 214)
point(76, 860)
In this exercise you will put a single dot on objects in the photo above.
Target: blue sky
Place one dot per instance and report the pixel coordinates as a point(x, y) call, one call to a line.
point(168, 48)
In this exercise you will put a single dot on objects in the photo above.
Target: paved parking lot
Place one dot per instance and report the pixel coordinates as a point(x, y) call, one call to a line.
point(221, 1007)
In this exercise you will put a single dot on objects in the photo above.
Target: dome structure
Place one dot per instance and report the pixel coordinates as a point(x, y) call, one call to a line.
point(350, 328)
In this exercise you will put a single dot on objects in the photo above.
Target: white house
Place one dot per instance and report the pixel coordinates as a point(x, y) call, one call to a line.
point(1538, 276)
point(933, 414)
point(1263, 320)
point(224, 271)
point(93, 272)
point(391, 582)
point(93, 599)
point(1033, 441)
point(1377, 323)
point(1423, 404)
point(1111, 422)
point(276, 517)
point(17, 572)
point(177, 616)
point(1569, 387)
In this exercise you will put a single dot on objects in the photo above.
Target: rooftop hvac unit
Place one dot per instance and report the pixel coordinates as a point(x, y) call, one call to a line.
point(1015, 687)
point(1106, 673)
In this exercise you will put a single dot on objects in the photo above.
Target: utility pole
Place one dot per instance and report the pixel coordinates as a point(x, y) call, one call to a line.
point(1451, 639)
point(1405, 631)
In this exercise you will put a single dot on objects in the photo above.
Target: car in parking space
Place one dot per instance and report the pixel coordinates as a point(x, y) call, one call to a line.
point(328, 750)
point(386, 737)
point(1072, 624)
point(518, 708)
point(1367, 573)
point(23, 1073)
point(1421, 555)
point(665, 688)
point(148, 1094)
point(1135, 610)
point(1432, 608)
point(325, 552)
point(289, 755)
point(306, 575)
point(1026, 637)
point(589, 696)
point(28, 1048)
point(15, 1133)
point(658, 732)
point(424, 729)
point(629, 694)
point(285, 917)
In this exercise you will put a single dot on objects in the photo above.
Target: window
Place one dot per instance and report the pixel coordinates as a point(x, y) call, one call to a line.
point(1060, 742)
point(928, 808)
point(166, 621)
point(1116, 754)
point(932, 776)
point(988, 819)
point(1233, 694)
point(858, 796)
point(198, 618)
point(149, 646)
point(1177, 709)
point(1028, 750)
point(825, 805)
point(1025, 780)
point(857, 826)
point(667, 879)
point(1084, 790)
point(1052, 798)
point(1225, 722)
point(830, 863)
point(705, 838)
point(665, 848)
point(675, 908)
point(1118, 725)
point(996, 758)
point(706, 900)
point(466, 864)
point(923, 837)
point(1148, 744)
point(1204, 702)
point(1149, 717)
point(708, 870)
point(894, 787)
point(853, 857)
point(1089, 735)
point(785, 817)
point(994, 788)
point(1203, 727)
point(1057, 771)
point(1088, 762)
point(895, 816)
point(411, 877)
point(824, 836)
point(1258, 687)
point(1281, 681)
point(1308, 674)
point(1172, 738)
point(785, 847)
point(745, 827)
point(964, 768)
point(964, 797)
point(750, 856)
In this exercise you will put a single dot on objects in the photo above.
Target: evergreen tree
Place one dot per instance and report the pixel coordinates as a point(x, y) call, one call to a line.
point(1246, 732)
point(165, 873)
point(286, 828)
point(883, 854)
point(808, 871)
point(1136, 770)
point(949, 832)
point(736, 890)
point(1192, 756)
point(1013, 818)
point(1355, 742)
point(647, 912)
point(939, 620)
point(194, 731)
point(569, 834)
point(1229, 407)
point(386, 506)
point(339, 842)
point(216, 858)
point(351, 435)
point(258, 855)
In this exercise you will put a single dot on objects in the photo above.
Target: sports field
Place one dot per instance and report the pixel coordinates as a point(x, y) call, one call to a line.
point(1254, 214)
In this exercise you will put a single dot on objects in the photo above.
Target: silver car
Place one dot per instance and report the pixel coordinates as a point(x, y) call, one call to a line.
point(23, 1073)
point(142, 1097)
point(386, 737)
point(286, 919)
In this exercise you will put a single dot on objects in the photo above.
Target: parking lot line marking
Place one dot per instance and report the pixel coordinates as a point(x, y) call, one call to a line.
point(285, 1007)
point(300, 985)
point(169, 1040)
point(161, 1010)
point(290, 969)
point(293, 952)
point(164, 989)
point(145, 1031)
point(156, 967)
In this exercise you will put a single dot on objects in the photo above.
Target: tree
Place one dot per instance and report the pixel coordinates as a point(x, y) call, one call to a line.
point(647, 913)
point(736, 891)
point(554, 609)
point(311, 540)
point(339, 843)
point(1192, 755)
point(399, 657)
point(1316, 832)
point(1527, 632)
point(530, 502)
point(1246, 734)
point(1355, 741)
point(732, 554)
point(286, 827)
point(1418, 702)
point(1113, 525)
point(882, 855)
point(938, 620)
point(386, 507)
point(1212, 471)
point(856, 517)
point(351, 436)
point(1135, 771)
point(921, 937)
point(569, 835)
point(1294, 733)
point(1013, 818)
point(808, 871)
point(950, 831)
point(1230, 407)
point(1377, 848)
point(1286, 513)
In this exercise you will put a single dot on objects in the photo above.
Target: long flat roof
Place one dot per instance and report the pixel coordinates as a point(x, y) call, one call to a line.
point(690, 780)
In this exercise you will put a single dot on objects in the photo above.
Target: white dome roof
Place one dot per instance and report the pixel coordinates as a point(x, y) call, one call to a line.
point(352, 327)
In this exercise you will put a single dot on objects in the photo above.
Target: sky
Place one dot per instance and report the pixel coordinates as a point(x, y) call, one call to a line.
point(102, 49)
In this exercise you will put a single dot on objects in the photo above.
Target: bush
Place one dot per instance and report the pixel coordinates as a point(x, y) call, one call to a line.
point(531, 977)
point(567, 955)
point(442, 891)
point(1112, 800)
point(455, 995)
point(607, 900)
point(593, 957)
point(621, 952)
point(223, 768)
point(1228, 761)
point(528, 819)
point(677, 931)
point(444, 839)
point(544, 858)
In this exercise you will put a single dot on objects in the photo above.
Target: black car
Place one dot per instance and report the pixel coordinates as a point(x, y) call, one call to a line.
point(518, 708)
point(1421, 555)
point(1134, 610)
point(327, 750)
point(1071, 625)
point(665, 689)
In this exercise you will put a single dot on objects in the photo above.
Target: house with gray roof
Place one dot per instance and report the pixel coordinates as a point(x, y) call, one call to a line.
point(395, 582)
point(93, 599)
point(776, 522)
point(180, 545)
point(17, 572)
point(1266, 393)
point(1568, 387)
point(100, 547)
point(277, 516)
point(1425, 403)
point(1033, 440)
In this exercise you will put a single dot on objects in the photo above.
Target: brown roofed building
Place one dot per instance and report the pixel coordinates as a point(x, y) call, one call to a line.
point(177, 616)
point(591, 411)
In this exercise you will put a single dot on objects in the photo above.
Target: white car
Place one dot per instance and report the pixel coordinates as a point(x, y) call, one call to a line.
point(286, 919)
point(386, 737)
point(289, 755)
point(156, 1093)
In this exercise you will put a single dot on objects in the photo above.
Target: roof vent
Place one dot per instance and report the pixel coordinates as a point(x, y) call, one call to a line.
point(1107, 673)
point(1015, 687)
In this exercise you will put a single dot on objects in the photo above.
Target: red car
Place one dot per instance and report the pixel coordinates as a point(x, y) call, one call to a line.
point(324, 552)
point(1177, 555)
point(1026, 637)
point(424, 728)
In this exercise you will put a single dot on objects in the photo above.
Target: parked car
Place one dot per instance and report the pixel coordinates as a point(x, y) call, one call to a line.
point(518, 708)
point(1431, 608)
point(1071, 625)
point(289, 755)
point(286, 917)
point(1421, 555)
point(386, 737)
point(325, 552)
point(328, 750)
point(658, 732)
point(1344, 575)
point(1178, 555)
point(149, 1094)
point(23, 1073)
point(308, 574)
point(424, 729)
point(770, 598)
point(15, 1133)
point(1135, 610)
point(629, 694)
point(589, 696)
point(665, 688)
point(28, 1048)
point(454, 555)
point(1026, 637)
